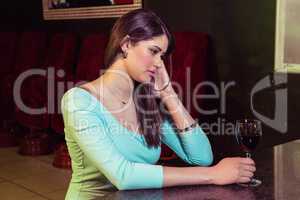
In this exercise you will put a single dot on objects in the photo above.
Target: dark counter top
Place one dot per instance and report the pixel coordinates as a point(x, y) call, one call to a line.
point(278, 167)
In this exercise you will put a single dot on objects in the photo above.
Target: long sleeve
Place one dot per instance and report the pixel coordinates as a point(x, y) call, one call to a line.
point(90, 132)
point(193, 146)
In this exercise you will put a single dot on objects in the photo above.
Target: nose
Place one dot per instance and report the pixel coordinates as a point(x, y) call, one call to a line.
point(157, 66)
point(158, 62)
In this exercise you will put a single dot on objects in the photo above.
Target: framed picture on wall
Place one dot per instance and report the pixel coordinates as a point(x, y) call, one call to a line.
point(87, 9)
point(287, 46)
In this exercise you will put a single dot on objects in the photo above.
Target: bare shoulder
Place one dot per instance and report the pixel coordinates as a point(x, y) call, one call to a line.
point(98, 89)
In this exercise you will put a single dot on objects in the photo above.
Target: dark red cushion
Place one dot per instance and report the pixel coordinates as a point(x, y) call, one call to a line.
point(30, 55)
point(189, 66)
point(8, 42)
point(61, 58)
point(91, 56)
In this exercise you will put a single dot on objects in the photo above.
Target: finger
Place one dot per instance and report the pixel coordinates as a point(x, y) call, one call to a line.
point(156, 94)
point(247, 174)
point(244, 180)
point(250, 168)
point(248, 161)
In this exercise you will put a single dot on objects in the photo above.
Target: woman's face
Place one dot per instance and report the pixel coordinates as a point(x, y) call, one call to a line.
point(145, 57)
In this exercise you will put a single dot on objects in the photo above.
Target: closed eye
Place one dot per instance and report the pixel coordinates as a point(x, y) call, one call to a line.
point(153, 51)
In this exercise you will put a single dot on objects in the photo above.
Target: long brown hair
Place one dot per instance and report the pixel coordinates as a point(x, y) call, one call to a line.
point(139, 25)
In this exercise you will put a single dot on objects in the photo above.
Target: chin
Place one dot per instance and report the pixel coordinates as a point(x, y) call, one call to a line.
point(144, 79)
point(149, 80)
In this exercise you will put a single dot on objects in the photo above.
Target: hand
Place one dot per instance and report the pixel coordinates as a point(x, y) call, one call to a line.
point(162, 80)
point(233, 170)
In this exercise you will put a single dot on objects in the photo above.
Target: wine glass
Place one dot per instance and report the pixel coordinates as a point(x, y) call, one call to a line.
point(248, 133)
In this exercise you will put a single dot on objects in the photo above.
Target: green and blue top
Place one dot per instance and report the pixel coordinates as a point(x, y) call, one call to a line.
point(106, 154)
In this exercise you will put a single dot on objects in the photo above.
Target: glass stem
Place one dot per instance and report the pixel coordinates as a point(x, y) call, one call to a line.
point(248, 155)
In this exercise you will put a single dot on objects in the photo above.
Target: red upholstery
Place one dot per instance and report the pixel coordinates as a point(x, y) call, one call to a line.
point(62, 158)
point(61, 53)
point(190, 53)
point(33, 52)
point(30, 54)
point(189, 57)
point(61, 58)
point(88, 68)
point(91, 57)
point(8, 42)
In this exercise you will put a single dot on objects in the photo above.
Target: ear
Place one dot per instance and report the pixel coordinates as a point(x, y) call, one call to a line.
point(125, 43)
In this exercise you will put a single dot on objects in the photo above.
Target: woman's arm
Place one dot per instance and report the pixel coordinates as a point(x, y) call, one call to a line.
point(174, 176)
point(90, 133)
point(192, 146)
point(180, 115)
point(227, 171)
point(85, 126)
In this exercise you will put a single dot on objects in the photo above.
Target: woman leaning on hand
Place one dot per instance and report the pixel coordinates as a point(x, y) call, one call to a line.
point(114, 125)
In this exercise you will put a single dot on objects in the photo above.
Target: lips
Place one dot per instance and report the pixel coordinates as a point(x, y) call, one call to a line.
point(152, 73)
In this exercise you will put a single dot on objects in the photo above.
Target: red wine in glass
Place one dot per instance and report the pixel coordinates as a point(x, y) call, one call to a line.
point(248, 143)
point(248, 133)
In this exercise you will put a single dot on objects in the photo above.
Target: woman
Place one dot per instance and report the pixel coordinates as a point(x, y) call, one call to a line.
point(115, 124)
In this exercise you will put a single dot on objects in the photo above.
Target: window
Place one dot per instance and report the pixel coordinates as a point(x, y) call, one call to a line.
point(287, 45)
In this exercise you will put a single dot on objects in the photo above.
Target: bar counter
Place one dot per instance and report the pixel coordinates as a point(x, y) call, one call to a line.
point(278, 167)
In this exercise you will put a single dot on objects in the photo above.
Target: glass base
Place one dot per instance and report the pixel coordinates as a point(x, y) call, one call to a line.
point(253, 183)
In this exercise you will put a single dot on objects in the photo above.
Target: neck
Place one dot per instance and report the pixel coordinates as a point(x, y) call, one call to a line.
point(118, 81)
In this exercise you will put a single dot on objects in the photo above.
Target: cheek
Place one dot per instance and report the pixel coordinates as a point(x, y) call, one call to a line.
point(145, 59)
